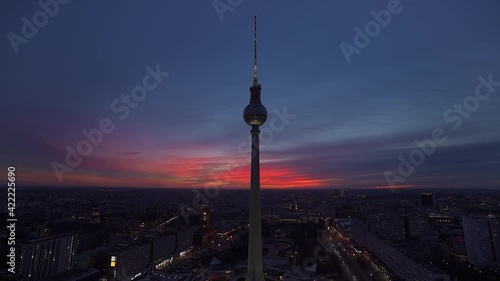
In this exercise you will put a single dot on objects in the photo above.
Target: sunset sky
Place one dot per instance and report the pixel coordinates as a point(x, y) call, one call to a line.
point(347, 123)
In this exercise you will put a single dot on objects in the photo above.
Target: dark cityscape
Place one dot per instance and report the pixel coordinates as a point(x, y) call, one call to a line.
point(172, 234)
point(250, 140)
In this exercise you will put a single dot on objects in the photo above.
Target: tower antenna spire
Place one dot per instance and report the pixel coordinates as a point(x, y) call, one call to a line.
point(255, 52)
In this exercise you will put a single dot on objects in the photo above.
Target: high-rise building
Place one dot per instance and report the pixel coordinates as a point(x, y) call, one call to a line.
point(206, 233)
point(206, 223)
point(45, 257)
point(96, 215)
point(482, 240)
point(338, 193)
point(457, 247)
point(255, 115)
point(427, 200)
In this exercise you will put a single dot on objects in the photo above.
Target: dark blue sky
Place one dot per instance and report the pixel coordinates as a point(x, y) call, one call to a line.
point(351, 120)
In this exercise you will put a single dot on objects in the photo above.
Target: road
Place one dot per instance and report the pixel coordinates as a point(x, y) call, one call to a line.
point(349, 257)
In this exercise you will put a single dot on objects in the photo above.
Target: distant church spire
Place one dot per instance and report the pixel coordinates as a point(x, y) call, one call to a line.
point(255, 52)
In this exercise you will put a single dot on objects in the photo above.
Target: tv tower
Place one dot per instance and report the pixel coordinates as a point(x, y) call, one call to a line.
point(255, 115)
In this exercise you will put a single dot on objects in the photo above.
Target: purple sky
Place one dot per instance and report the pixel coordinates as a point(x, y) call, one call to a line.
point(349, 121)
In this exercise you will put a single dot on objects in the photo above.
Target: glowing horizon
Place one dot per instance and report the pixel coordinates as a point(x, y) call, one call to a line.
point(331, 123)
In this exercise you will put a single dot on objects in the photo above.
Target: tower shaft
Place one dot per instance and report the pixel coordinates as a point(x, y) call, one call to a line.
point(255, 265)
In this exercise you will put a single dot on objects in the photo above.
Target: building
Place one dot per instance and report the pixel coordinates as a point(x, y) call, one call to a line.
point(457, 247)
point(439, 221)
point(198, 237)
point(206, 222)
point(417, 227)
point(129, 261)
point(346, 211)
point(206, 232)
point(427, 200)
point(96, 215)
point(163, 247)
point(390, 226)
point(395, 258)
point(45, 257)
point(344, 226)
point(94, 258)
point(482, 240)
point(291, 217)
point(184, 239)
point(338, 193)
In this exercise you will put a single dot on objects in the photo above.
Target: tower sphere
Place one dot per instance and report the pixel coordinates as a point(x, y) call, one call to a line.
point(255, 114)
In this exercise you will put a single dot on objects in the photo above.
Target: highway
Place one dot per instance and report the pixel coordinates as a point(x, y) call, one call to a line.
point(350, 257)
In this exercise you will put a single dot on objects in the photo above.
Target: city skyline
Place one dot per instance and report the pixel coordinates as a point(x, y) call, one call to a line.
point(348, 121)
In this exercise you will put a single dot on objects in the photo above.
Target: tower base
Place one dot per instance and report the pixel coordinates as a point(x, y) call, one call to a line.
point(255, 277)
